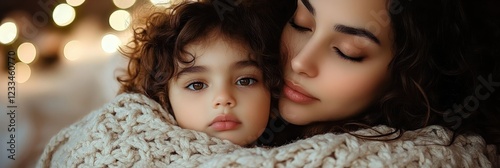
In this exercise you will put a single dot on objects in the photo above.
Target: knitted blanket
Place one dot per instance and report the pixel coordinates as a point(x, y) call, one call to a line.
point(135, 131)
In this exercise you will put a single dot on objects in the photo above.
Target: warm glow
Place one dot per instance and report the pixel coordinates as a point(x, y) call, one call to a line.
point(119, 20)
point(23, 72)
point(63, 14)
point(75, 2)
point(73, 50)
point(161, 2)
point(124, 4)
point(26, 52)
point(110, 43)
point(8, 32)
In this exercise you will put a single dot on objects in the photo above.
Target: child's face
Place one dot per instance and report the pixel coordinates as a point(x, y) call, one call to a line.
point(339, 52)
point(223, 94)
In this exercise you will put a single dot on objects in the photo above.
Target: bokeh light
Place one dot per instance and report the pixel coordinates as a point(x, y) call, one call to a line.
point(23, 72)
point(8, 32)
point(63, 14)
point(110, 43)
point(75, 3)
point(73, 50)
point(26, 52)
point(161, 2)
point(119, 20)
point(123, 4)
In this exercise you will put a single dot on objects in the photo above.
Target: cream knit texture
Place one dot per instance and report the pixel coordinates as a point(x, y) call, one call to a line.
point(135, 131)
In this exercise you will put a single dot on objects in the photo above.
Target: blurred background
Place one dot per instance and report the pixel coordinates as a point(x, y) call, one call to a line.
point(66, 64)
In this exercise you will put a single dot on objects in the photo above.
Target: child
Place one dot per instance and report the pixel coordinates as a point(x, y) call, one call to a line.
point(215, 70)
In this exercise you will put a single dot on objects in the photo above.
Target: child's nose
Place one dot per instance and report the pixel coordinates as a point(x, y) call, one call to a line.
point(224, 98)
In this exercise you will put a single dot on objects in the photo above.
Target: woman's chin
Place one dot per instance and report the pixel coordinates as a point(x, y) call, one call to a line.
point(294, 116)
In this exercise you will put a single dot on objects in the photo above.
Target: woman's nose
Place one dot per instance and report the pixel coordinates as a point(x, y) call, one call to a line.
point(305, 62)
point(224, 98)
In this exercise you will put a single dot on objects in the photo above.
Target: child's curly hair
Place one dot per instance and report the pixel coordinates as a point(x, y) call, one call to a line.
point(158, 45)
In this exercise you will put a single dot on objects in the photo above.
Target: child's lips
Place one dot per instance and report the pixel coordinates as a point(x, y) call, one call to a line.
point(225, 122)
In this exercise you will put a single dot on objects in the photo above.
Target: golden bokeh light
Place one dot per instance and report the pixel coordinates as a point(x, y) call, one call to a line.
point(8, 32)
point(119, 20)
point(72, 50)
point(23, 72)
point(63, 14)
point(123, 4)
point(110, 43)
point(161, 2)
point(75, 3)
point(26, 52)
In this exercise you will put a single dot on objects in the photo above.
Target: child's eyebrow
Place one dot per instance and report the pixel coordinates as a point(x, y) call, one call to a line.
point(244, 63)
point(191, 69)
point(197, 69)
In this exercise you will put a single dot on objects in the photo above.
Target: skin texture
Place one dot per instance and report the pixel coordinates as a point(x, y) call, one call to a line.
point(223, 81)
point(333, 74)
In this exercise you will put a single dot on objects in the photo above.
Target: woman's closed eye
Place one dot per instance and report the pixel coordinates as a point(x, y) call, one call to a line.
point(246, 81)
point(195, 86)
point(298, 27)
point(347, 57)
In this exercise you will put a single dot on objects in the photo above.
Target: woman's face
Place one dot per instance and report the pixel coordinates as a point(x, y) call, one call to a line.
point(338, 53)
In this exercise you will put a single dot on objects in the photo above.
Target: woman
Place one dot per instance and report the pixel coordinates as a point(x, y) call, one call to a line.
point(408, 65)
point(389, 77)
point(404, 64)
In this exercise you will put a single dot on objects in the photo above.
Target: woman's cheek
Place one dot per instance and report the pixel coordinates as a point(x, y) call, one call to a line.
point(346, 93)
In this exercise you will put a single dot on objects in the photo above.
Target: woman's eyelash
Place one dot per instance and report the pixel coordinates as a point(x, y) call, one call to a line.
point(349, 58)
point(297, 27)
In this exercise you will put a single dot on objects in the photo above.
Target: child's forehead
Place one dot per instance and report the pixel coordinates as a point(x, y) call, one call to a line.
point(209, 40)
point(217, 35)
point(218, 53)
point(219, 46)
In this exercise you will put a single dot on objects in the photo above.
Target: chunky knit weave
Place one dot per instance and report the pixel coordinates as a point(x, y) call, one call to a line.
point(134, 131)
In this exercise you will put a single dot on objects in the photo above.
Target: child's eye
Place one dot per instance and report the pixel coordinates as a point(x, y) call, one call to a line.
point(245, 81)
point(297, 27)
point(196, 86)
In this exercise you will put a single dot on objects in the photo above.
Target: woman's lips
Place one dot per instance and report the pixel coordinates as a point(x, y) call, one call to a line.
point(296, 94)
point(224, 123)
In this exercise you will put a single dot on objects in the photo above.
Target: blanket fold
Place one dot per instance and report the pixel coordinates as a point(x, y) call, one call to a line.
point(135, 131)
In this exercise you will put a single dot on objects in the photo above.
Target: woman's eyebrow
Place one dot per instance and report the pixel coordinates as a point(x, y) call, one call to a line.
point(346, 29)
point(308, 5)
point(357, 32)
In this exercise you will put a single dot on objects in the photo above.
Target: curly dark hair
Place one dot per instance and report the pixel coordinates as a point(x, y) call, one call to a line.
point(444, 52)
point(158, 44)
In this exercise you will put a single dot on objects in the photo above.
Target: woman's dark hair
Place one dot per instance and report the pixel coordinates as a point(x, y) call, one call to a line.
point(441, 62)
point(158, 45)
point(444, 56)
